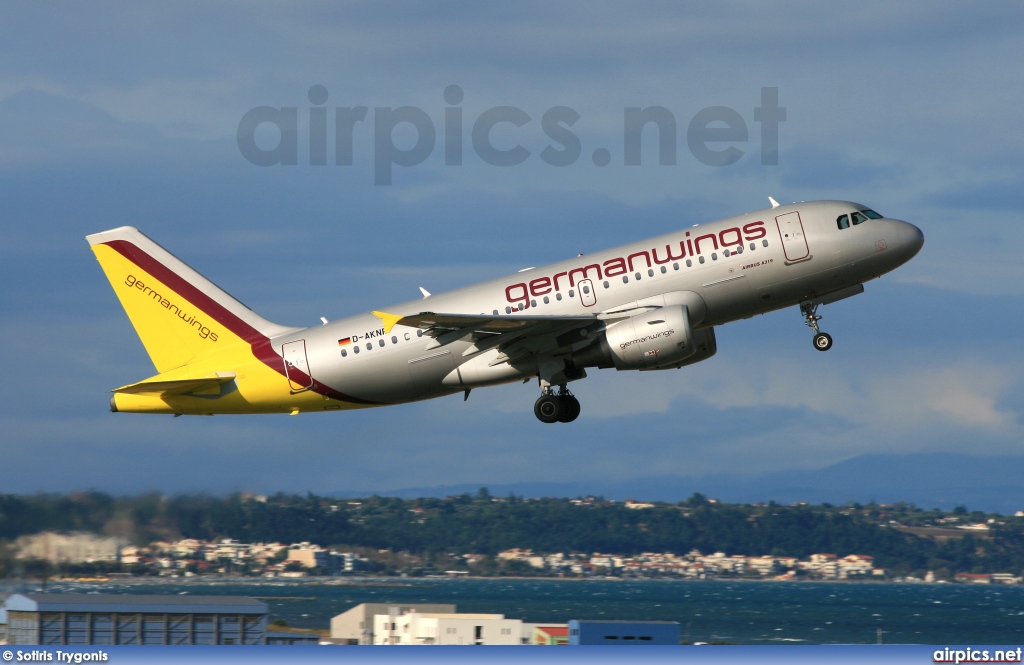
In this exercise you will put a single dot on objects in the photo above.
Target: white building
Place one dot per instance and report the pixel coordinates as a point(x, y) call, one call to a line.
point(356, 625)
point(446, 629)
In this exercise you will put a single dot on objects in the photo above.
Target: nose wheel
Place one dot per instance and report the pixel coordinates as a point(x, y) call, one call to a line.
point(822, 341)
point(557, 408)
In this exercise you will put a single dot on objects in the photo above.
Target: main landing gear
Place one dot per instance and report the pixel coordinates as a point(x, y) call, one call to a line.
point(557, 408)
point(822, 341)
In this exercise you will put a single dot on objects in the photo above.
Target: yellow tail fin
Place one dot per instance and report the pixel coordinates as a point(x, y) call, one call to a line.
point(178, 314)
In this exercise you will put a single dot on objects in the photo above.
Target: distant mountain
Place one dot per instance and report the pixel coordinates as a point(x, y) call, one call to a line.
point(928, 480)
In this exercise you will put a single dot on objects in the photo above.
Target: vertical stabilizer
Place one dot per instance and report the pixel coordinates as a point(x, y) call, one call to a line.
point(178, 314)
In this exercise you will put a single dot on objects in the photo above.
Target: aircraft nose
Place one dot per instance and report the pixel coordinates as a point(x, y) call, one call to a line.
point(912, 239)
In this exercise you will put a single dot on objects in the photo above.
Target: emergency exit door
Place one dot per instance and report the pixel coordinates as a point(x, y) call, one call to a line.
point(587, 294)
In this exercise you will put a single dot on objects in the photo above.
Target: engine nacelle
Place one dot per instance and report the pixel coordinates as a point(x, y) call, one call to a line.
point(704, 342)
point(659, 338)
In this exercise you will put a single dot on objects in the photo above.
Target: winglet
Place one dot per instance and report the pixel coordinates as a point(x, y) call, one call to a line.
point(426, 294)
point(390, 320)
point(775, 204)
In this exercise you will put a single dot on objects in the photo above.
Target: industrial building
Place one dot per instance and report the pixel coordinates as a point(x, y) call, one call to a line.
point(356, 625)
point(94, 619)
point(623, 633)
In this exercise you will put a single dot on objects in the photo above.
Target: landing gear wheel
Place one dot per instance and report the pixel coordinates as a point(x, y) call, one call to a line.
point(570, 409)
point(548, 408)
point(822, 341)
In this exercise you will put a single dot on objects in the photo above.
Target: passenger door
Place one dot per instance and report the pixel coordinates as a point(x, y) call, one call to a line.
point(296, 366)
point(791, 231)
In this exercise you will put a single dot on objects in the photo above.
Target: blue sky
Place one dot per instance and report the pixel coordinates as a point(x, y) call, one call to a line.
point(116, 114)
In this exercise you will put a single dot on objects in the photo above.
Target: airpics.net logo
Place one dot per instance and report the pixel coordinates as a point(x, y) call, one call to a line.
point(715, 135)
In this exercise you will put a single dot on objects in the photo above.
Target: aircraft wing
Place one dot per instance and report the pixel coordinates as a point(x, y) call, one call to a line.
point(513, 335)
point(206, 384)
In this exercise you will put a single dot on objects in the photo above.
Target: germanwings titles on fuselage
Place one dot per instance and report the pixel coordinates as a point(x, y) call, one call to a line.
point(650, 305)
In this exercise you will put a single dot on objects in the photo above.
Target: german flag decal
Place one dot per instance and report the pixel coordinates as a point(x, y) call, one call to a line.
point(344, 341)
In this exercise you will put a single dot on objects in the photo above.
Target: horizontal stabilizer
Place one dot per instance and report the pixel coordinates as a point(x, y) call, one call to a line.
point(206, 385)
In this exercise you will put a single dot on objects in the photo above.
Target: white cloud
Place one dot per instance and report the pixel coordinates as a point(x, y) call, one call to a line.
point(868, 395)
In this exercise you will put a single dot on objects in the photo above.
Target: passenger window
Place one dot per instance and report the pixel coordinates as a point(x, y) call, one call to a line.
point(625, 279)
point(664, 270)
point(546, 300)
point(689, 263)
point(419, 333)
point(725, 252)
point(533, 303)
point(701, 259)
point(558, 296)
point(344, 353)
point(394, 340)
point(369, 346)
point(764, 243)
point(675, 266)
point(843, 221)
point(752, 246)
point(714, 256)
point(650, 273)
point(381, 344)
point(586, 289)
point(606, 284)
point(355, 349)
point(571, 294)
point(637, 276)
point(508, 310)
point(858, 218)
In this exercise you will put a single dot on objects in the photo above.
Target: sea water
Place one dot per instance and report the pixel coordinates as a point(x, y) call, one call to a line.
point(713, 611)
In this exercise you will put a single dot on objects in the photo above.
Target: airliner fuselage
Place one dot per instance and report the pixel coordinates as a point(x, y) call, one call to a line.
point(649, 305)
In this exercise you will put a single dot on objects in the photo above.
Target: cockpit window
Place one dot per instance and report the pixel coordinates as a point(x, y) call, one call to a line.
point(858, 218)
point(843, 221)
point(871, 214)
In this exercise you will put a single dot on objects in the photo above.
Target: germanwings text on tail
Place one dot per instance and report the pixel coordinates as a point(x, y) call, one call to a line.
point(650, 305)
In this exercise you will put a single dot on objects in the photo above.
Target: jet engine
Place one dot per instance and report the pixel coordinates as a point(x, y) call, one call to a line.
point(703, 341)
point(655, 339)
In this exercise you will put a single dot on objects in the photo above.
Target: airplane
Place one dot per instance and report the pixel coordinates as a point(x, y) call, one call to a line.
point(646, 306)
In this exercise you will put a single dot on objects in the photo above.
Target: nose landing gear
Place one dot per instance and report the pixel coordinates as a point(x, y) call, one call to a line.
point(556, 408)
point(822, 341)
